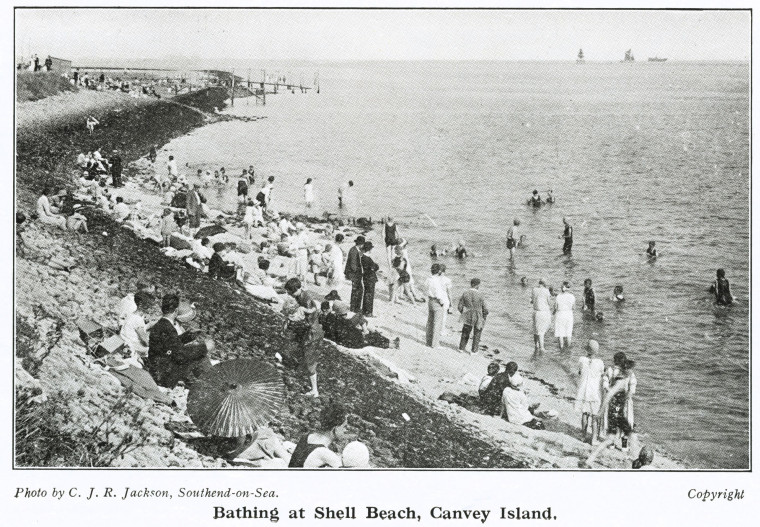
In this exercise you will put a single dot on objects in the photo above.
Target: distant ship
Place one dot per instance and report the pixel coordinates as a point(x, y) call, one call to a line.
point(628, 57)
point(580, 57)
point(656, 59)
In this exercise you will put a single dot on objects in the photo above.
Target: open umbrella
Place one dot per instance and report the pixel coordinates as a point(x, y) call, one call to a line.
point(209, 230)
point(236, 397)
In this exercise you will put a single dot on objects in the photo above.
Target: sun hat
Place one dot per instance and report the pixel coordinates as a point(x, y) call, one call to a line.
point(340, 308)
point(593, 346)
point(355, 455)
point(516, 380)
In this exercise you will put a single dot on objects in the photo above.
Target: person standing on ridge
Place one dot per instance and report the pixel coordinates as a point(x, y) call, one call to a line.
point(353, 272)
point(369, 279)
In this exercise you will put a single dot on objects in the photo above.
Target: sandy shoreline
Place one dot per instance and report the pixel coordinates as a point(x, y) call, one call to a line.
point(424, 373)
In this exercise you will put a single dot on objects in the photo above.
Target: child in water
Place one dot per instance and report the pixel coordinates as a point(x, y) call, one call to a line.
point(651, 251)
point(617, 294)
point(722, 289)
point(589, 297)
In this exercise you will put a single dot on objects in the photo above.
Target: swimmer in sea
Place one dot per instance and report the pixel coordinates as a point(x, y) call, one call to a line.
point(461, 250)
point(651, 251)
point(535, 201)
point(523, 241)
point(617, 294)
point(722, 289)
point(435, 252)
point(524, 281)
point(550, 197)
point(589, 298)
point(512, 238)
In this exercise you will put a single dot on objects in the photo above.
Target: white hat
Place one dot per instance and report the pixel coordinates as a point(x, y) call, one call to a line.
point(516, 380)
point(356, 455)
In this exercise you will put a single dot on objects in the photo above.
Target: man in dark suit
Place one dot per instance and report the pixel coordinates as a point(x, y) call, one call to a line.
point(354, 273)
point(369, 279)
point(116, 169)
point(472, 305)
point(173, 357)
point(194, 207)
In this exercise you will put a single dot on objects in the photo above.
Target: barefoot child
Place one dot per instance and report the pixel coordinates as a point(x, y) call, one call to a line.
point(168, 226)
point(589, 397)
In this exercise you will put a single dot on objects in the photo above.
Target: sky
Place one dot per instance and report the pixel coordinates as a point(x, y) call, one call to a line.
point(222, 37)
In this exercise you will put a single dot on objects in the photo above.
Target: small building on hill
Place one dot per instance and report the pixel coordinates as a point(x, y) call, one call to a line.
point(60, 66)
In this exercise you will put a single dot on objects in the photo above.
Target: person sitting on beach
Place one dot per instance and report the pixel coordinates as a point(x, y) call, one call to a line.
point(82, 161)
point(121, 211)
point(47, 213)
point(617, 294)
point(491, 396)
point(218, 268)
point(285, 226)
point(515, 405)
point(493, 369)
point(133, 331)
point(722, 289)
point(174, 358)
point(535, 200)
point(589, 297)
point(651, 250)
point(589, 397)
point(327, 319)
point(202, 250)
point(313, 450)
point(76, 222)
point(353, 332)
point(266, 450)
point(284, 246)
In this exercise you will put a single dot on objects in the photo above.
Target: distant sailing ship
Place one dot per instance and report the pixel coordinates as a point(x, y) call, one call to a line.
point(628, 57)
point(580, 57)
point(656, 59)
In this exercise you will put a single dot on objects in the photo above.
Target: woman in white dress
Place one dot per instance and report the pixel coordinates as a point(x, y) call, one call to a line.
point(563, 319)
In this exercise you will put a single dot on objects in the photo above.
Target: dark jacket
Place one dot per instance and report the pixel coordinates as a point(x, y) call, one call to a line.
point(353, 269)
point(219, 269)
point(168, 358)
point(115, 164)
point(369, 269)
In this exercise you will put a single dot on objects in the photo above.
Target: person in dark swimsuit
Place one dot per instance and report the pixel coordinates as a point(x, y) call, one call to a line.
point(535, 200)
point(722, 289)
point(651, 251)
point(391, 236)
point(567, 234)
point(589, 298)
point(313, 450)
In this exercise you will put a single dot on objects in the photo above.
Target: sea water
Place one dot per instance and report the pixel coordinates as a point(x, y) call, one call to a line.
point(634, 152)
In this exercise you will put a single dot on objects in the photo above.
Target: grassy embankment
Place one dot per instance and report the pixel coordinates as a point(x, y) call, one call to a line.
point(33, 86)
